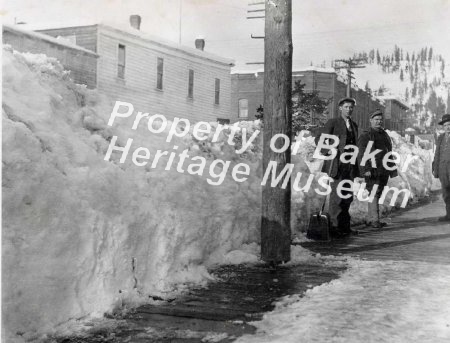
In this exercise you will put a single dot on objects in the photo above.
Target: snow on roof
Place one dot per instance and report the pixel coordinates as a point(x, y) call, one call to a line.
point(61, 42)
point(294, 70)
point(158, 40)
point(154, 39)
point(394, 98)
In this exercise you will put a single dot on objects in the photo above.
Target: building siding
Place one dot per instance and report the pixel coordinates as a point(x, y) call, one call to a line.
point(139, 84)
point(86, 36)
point(82, 65)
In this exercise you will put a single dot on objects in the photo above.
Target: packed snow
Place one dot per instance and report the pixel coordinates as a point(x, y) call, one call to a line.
point(373, 301)
point(83, 235)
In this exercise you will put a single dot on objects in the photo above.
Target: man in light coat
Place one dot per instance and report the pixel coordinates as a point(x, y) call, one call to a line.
point(441, 164)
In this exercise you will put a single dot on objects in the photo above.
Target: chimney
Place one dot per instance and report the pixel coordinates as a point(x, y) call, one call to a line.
point(200, 43)
point(135, 21)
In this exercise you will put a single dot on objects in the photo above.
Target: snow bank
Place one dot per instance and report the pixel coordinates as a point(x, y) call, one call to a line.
point(372, 301)
point(82, 235)
point(417, 178)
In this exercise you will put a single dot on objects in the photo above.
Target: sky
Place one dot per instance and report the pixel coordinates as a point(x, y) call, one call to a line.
point(323, 30)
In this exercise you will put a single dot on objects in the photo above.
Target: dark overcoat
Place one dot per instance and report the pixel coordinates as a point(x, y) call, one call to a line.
point(337, 127)
point(437, 155)
point(381, 141)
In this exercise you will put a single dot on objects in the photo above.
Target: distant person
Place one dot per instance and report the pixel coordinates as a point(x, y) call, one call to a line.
point(378, 174)
point(347, 131)
point(441, 164)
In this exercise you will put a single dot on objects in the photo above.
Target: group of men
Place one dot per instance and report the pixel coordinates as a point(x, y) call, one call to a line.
point(374, 174)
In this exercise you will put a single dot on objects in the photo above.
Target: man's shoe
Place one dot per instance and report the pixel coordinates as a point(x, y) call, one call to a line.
point(444, 219)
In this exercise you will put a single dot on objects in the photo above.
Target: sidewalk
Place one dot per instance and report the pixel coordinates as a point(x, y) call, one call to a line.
point(396, 275)
point(414, 235)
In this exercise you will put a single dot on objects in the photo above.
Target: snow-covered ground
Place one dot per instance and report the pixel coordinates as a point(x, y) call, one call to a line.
point(373, 301)
point(82, 235)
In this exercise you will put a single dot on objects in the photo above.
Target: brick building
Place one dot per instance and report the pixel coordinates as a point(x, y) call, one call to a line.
point(247, 93)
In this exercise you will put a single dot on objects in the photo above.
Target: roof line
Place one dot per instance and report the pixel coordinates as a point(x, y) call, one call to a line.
point(191, 51)
point(48, 38)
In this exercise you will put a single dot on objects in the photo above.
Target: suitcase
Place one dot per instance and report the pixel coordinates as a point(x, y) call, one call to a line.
point(319, 227)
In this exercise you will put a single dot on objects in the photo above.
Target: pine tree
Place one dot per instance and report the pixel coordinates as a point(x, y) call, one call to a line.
point(413, 58)
point(406, 94)
point(407, 57)
point(425, 83)
point(430, 54)
point(397, 54)
point(402, 78)
point(372, 55)
point(421, 91)
point(378, 57)
point(440, 107)
point(367, 87)
point(416, 69)
point(414, 90)
point(307, 107)
point(442, 68)
point(411, 75)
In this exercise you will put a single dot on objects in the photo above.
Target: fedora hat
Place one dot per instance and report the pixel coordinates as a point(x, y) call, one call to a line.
point(347, 99)
point(445, 118)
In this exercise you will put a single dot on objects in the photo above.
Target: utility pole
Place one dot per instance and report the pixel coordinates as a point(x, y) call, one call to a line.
point(179, 22)
point(349, 64)
point(253, 16)
point(276, 201)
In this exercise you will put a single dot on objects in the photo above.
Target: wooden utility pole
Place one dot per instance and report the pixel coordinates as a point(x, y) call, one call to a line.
point(276, 201)
point(350, 64)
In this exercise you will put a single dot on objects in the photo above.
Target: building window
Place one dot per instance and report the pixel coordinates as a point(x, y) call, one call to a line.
point(217, 92)
point(191, 84)
point(243, 108)
point(121, 62)
point(159, 73)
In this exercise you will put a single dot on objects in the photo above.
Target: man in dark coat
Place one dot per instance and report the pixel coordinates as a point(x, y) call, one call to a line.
point(347, 131)
point(441, 164)
point(375, 174)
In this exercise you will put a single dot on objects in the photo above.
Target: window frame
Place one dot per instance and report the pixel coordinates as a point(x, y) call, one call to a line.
point(216, 91)
point(240, 108)
point(159, 73)
point(121, 65)
point(191, 74)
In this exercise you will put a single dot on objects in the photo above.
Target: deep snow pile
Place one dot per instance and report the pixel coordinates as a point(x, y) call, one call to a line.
point(82, 235)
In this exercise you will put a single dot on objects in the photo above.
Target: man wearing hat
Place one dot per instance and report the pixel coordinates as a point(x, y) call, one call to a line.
point(347, 131)
point(375, 174)
point(441, 164)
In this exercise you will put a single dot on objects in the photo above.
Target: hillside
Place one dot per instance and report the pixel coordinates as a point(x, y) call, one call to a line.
point(420, 79)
